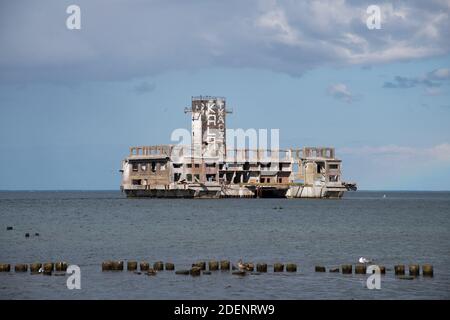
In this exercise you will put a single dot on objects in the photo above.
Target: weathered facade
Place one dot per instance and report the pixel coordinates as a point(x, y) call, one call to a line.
point(207, 169)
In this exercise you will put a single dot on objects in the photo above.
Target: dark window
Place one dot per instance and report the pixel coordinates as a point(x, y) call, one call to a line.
point(189, 165)
point(153, 166)
point(136, 182)
point(189, 177)
point(177, 165)
point(334, 166)
point(197, 165)
point(135, 167)
point(197, 177)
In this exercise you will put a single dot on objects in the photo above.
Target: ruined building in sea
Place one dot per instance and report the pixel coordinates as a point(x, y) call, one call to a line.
point(208, 169)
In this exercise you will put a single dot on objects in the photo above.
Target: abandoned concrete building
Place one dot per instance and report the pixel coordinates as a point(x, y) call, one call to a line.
point(207, 169)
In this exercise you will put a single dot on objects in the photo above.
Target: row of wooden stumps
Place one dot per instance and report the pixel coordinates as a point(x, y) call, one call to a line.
point(197, 268)
point(37, 268)
point(399, 270)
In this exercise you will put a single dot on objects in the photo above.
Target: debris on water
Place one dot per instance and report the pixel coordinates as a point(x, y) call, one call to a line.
point(27, 235)
point(9, 228)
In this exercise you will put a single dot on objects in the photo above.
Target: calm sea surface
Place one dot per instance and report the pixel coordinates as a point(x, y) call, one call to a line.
point(86, 228)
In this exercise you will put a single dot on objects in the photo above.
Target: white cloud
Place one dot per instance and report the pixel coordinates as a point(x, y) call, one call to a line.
point(118, 41)
point(341, 92)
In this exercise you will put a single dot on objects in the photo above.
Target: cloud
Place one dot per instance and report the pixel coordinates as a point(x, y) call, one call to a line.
point(144, 87)
point(118, 41)
point(340, 92)
point(430, 81)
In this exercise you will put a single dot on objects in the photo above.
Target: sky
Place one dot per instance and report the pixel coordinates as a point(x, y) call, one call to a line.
point(72, 102)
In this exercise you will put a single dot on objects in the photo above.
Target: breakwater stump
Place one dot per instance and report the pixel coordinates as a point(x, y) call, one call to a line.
point(21, 268)
point(213, 265)
point(319, 269)
point(5, 267)
point(360, 268)
point(291, 267)
point(399, 270)
point(158, 266)
point(427, 270)
point(347, 269)
point(132, 265)
point(414, 270)
point(117, 265)
point(261, 267)
point(225, 265)
point(144, 266)
point(195, 271)
point(200, 264)
point(278, 267)
point(61, 266)
point(169, 266)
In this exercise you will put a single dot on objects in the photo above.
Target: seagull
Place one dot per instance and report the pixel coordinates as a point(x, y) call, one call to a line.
point(364, 260)
point(241, 265)
point(41, 270)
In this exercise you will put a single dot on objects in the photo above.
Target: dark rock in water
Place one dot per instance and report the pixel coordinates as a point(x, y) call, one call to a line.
point(27, 235)
point(206, 272)
point(37, 234)
point(137, 272)
point(239, 273)
point(9, 228)
point(334, 269)
point(183, 272)
point(255, 273)
point(47, 273)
